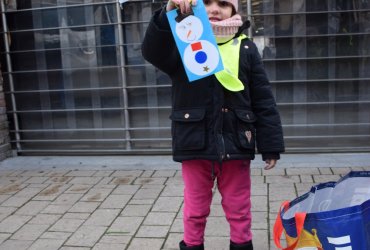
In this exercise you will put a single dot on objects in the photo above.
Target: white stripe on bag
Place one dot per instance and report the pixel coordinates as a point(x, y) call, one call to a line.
point(340, 240)
point(343, 248)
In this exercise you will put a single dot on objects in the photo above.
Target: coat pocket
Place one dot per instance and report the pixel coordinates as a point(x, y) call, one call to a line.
point(246, 132)
point(188, 129)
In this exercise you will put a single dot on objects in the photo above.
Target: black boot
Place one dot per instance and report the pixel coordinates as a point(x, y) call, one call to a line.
point(245, 246)
point(184, 247)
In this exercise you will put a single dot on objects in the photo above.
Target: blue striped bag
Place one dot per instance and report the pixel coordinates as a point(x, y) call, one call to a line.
point(331, 216)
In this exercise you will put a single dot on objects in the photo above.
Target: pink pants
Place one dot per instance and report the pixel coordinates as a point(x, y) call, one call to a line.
point(234, 185)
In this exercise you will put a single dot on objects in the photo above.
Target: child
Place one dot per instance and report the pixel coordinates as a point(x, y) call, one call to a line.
point(214, 129)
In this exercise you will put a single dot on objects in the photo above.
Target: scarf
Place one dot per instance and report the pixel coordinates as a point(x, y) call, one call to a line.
point(226, 29)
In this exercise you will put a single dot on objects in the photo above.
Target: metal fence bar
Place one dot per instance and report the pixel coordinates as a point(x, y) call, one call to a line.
point(85, 89)
point(310, 12)
point(123, 77)
point(167, 128)
point(145, 22)
point(168, 107)
point(59, 7)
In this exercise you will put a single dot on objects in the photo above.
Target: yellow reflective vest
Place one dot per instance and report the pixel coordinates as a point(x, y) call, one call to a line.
point(229, 52)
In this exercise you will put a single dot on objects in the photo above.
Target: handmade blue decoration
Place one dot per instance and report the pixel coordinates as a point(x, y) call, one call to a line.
point(195, 41)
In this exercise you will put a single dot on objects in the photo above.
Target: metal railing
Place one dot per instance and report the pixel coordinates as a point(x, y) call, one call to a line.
point(70, 118)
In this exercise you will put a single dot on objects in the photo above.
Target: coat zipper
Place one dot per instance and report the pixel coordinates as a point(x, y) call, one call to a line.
point(222, 146)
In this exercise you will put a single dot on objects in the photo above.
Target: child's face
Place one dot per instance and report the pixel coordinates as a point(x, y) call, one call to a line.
point(218, 10)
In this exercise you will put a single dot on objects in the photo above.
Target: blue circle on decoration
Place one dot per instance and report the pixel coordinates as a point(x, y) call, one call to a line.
point(200, 57)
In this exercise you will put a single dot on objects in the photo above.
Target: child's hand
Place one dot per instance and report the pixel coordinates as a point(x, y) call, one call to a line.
point(270, 163)
point(183, 5)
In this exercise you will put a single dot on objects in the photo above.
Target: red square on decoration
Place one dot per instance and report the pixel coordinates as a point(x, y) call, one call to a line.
point(196, 46)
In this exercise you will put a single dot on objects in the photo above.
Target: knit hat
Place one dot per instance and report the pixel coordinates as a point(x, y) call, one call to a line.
point(235, 3)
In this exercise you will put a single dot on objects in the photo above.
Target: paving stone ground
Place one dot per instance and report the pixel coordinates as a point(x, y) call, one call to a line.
point(79, 209)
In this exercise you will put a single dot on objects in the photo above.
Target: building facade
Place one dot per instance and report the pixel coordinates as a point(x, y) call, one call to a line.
point(75, 81)
point(5, 149)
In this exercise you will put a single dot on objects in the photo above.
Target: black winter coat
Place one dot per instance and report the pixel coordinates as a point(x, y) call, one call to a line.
point(208, 121)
